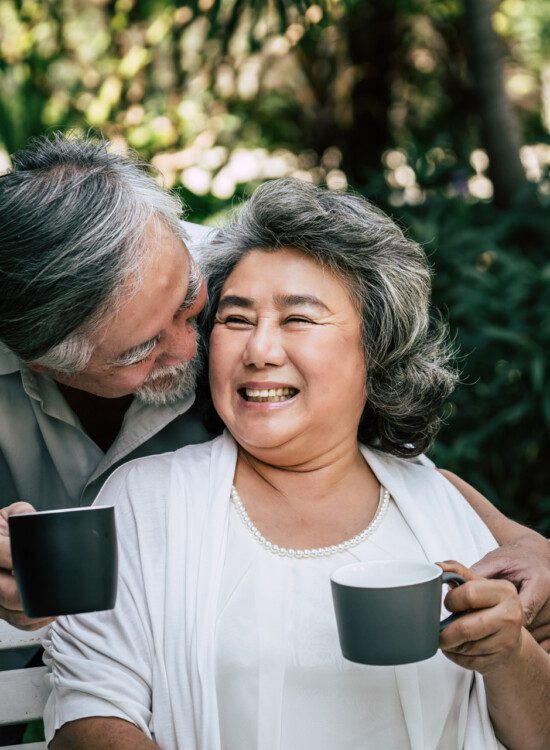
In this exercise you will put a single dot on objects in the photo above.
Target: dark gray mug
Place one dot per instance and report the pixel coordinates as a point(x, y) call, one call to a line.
point(388, 611)
point(65, 561)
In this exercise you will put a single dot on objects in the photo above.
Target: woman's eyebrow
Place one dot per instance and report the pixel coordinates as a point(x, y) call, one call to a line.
point(281, 300)
point(233, 300)
point(299, 300)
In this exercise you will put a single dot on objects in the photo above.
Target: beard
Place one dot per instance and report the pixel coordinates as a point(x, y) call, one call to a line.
point(169, 384)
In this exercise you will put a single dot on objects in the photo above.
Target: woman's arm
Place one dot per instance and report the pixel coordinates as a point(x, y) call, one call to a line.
point(516, 671)
point(99, 733)
point(523, 558)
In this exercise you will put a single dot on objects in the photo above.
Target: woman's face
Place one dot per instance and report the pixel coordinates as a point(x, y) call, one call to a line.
point(287, 370)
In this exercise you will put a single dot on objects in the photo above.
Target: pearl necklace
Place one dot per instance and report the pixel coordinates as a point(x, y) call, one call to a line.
point(333, 549)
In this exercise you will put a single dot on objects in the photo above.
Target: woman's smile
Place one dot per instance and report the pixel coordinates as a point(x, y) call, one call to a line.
point(266, 397)
point(267, 394)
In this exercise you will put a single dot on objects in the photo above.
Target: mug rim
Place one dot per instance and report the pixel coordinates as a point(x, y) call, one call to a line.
point(38, 513)
point(436, 570)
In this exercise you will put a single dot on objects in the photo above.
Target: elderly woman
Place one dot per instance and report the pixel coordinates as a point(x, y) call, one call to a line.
point(329, 383)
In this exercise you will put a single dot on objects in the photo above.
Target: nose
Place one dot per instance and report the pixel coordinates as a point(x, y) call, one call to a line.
point(180, 343)
point(264, 346)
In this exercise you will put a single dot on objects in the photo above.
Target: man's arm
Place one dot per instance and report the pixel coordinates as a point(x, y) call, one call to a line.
point(100, 733)
point(523, 558)
point(490, 639)
point(502, 528)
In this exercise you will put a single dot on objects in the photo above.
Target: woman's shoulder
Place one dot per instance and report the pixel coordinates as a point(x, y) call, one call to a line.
point(431, 504)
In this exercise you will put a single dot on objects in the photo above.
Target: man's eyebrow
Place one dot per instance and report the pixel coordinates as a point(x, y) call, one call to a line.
point(136, 352)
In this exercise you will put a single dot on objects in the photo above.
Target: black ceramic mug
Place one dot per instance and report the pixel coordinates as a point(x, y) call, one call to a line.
point(65, 561)
point(388, 611)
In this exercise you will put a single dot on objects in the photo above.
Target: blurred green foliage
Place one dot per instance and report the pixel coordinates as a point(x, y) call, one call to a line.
point(492, 280)
point(223, 94)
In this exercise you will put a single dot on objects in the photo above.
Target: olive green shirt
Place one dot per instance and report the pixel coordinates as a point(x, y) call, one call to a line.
point(47, 459)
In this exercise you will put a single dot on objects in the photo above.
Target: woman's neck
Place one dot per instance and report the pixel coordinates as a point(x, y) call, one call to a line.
point(323, 471)
point(321, 500)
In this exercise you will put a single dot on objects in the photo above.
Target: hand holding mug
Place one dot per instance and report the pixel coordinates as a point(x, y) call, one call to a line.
point(388, 611)
point(65, 561)
point(488, 634)
point(11, 607)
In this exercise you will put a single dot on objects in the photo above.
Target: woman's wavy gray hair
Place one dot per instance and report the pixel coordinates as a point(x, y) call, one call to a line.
point(408, 377)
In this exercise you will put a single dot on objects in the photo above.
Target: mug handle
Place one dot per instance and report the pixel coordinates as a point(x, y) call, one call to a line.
point(451, 578)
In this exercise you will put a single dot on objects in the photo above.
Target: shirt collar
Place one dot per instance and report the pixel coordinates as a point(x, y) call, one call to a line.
point(9, 362)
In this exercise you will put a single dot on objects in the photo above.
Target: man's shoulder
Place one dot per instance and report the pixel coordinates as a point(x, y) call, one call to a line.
point(158, 471)
point(9, 362)
point(170, 484)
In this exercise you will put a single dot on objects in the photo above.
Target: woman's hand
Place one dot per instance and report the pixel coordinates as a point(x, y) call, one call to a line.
point(489, 636)
point(11, 608)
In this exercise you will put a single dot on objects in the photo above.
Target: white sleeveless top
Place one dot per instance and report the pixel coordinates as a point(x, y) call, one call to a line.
point(281, 680)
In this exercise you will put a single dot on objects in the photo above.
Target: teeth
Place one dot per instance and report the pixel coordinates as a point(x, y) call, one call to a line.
point(272, 394)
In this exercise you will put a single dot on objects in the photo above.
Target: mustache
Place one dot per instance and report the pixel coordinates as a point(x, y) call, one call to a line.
point(163, 372)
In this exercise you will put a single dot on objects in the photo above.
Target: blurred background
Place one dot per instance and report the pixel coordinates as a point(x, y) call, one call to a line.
point(437, 110)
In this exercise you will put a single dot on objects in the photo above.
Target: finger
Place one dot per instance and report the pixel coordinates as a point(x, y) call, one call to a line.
point(497, 643)
point(481, 664)
point(5, 547)
point(532, 600)
point(22, 622)
point(479, 594)
point(16, 509)
point(469, 628)
point(493, 565)
point(9, 594)
point(452, 566)
point(13, 510)
point(5, 553)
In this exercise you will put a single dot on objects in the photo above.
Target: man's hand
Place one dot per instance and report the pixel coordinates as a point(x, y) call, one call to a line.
point(522, 558)
point(11, 608)
point(526, 562)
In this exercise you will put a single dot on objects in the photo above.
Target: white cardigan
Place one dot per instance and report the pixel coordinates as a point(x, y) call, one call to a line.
point(151, 659)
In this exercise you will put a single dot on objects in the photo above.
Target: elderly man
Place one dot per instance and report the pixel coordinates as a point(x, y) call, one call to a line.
point(98, 365)
point(99, 298)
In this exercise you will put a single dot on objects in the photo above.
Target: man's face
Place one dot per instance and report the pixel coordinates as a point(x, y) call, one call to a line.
point(148, 346)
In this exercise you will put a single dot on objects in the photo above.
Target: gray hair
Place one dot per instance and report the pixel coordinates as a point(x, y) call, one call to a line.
point(73, 222)
point(388, 277)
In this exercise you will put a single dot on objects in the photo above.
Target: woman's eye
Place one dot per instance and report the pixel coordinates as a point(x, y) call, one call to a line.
point(235, 320)
point(297, 319)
